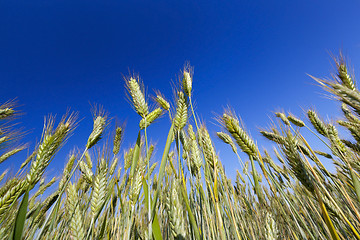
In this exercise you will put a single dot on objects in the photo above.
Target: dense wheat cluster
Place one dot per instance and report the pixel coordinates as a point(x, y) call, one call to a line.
point(107, 192)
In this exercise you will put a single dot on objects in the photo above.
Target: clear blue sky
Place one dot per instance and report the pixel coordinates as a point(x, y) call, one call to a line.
point(252, 55)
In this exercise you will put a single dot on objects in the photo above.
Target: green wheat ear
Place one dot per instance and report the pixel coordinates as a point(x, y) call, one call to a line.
point(98, 128)
point(242, 139)
point(137, 96)
point(181, 115)
point(160, 99)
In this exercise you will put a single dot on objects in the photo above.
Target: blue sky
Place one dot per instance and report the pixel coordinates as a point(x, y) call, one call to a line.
point(252, 55)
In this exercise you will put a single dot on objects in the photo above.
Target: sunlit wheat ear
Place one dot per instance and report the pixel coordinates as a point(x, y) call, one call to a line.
point(323, 154)
point(343, 73)
point(349, 115)
point(191, 132)
point(317, 123)
point(295, 162)
point(245, 143)
point(43, 187)
point(227, 139)
point(45, 206)
point(187, 79)
point(346, 95)
point(296, 121)
point(175, 210)
point(136, 184)
point(8, 185)
point(271, 230)
point(195, 158)
point(52, 140)
point(67, 170)
point(88, 159)
point(353, 146)
point(28, 159)
point(128, 158)
point(74, 213)
point(207, 146)
point(152, 116)
point(273, 137)
point(282, 116)
point(352, 127)
point(99, 187)
point(336, 143)
point(181, 114)
point(3, 139)
point(117, 140)
point(113, 166)
point(10, 192)
point(98, 128)
point(8, 154)
point(6, 112)
point(86, 171)
point(160, 99)
point(137, 96)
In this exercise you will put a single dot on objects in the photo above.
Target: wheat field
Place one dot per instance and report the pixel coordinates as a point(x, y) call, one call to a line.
point(107, 192)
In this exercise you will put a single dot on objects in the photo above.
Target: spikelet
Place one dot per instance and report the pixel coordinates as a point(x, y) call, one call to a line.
point(273, 137)
point(150, 118)
point(88, 159)
point(175, 211)
point(74, 213)
point(8, 154)
point(317, 123)
point(191, 132)
point(117, 140)
point(346, 95)
point(67, 171)
point(353, 146)
point(195, 158)
point(336, 143)
point(150, 151)
point(86, 171)
point(352, 127)
point(136, 184)
point(52, 141)
point(11, 195)
point(152, 168)
point(6, 112)
point(162, 101)
point(113, 166)
point(137, 97)
point(98, 128)
point(45, 206)
point(187, 82)
point(43, 187)
point(128, 158)
point(227, 139)
point(242, 139)
point(283, 118)
point(8, 185)
point(207, 146)
point(271, 231)
point(99, 188)
point(28, 159)
point(296, 163)
point(323, 154)
point(3, 139)
point(181, 115)
point(296, 121)
point(349, 115)
point(343, 73)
